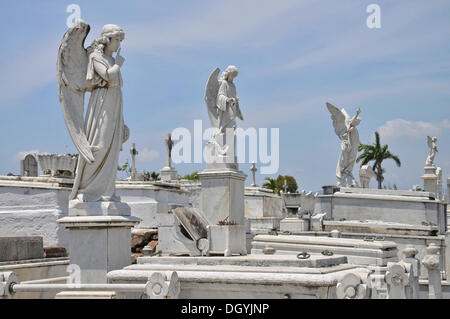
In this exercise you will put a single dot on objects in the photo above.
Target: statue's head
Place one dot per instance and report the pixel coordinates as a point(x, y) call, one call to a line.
point(434, 139)
point(111, 37)
point(230, 73)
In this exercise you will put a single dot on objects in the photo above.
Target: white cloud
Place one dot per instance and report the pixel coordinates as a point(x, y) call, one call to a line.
point(19, 156)
point(400, 129)
point(147, 155)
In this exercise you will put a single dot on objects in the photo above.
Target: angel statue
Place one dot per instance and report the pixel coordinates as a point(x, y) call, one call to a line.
point(432, 144)
point(99, 136)
point(223, 106)
point(345, 128)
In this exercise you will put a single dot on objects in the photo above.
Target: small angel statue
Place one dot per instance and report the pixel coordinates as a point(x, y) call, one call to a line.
point(100, 135)
point(432, 144)
point(223, 105)
point(345, 128)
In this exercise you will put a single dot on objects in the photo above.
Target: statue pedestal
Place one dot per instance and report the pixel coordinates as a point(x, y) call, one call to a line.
point(100, 237)
point(169, 174)
point(222, 197)
point(430, 180)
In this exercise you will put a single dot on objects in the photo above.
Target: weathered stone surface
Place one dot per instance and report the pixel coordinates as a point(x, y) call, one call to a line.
point(193, 222)
point(252, 276)
point(54, 252)
point(357, 251)
point(21, 248)
point(384, 206)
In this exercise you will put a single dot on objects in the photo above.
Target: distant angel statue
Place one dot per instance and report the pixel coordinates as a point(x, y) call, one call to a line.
point(345, 128)
point(432, 144)
point(222, 104)
point(99, 136)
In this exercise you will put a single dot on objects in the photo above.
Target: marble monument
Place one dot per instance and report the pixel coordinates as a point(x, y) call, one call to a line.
point(345, 128)
point(97, 219)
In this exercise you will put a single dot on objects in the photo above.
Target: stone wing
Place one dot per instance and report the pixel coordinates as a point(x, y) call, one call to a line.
point(339, 117)
point(430, 142)
point(71, 69)
point(212, 88)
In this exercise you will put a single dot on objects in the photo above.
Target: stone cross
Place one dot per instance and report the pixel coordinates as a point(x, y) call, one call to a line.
point(133, 152)
point(253, 169)
point(169, 144)
point(285, 186)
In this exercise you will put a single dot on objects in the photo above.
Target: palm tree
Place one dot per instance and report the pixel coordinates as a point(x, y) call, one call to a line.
point(155, 176)
point(378, 154)
point(271, 184)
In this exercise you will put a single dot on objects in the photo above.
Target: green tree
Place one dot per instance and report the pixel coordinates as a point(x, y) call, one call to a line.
point(155, 176)
point(271, 184)
point(191, 177)
point(376, 153)
point(291, 183)
point(125, 168)
point(277, 184)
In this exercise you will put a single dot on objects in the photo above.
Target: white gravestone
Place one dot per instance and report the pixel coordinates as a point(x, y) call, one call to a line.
point(29, 166)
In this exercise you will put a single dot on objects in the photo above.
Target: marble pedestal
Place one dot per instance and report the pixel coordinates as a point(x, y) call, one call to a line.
point(169, 174)
point(99, 237)
point(227, 240)
point(430, 180)
point(222, 200)
point(222, 195)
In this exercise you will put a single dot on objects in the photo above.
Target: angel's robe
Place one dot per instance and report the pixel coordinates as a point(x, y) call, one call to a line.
point(349, 150)
point(227, 113)
point(104, 131)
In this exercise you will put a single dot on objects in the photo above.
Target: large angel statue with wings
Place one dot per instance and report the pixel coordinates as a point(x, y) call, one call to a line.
point(223, 107)
point(345, 128)
point(100, 134)
point(432, 144)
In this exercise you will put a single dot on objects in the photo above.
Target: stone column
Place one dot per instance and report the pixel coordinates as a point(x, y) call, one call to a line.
point(431, 262)
point(100, 237)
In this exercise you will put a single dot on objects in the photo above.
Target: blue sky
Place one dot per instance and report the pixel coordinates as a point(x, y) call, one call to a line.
point(293, 56)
